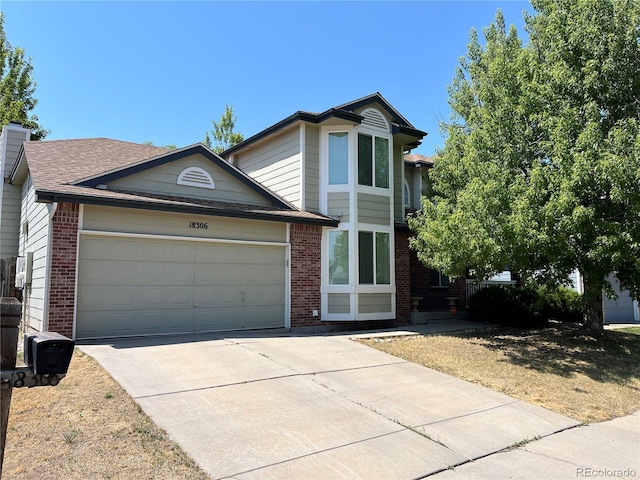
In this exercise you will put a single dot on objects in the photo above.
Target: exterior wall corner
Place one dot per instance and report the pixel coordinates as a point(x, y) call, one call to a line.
point(64, 250)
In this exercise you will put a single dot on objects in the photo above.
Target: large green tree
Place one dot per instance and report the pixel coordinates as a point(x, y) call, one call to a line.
point(223, 135)
point(541, 164)
point(17, 87)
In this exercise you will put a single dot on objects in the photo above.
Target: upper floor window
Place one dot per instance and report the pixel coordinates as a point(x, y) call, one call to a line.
point(338, 158)
point(373, 161)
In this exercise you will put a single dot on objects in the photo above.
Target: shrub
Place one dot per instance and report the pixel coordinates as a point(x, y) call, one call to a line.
point(560, 303)
point(510, 306)
point(525, 307)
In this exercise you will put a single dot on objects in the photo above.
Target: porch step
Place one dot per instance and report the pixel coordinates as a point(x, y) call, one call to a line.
point(420, 318)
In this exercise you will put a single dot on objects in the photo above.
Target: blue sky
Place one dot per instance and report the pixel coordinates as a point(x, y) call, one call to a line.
point(161, 71)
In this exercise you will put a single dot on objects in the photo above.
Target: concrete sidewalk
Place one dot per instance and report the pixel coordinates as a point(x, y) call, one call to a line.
point(275, 405)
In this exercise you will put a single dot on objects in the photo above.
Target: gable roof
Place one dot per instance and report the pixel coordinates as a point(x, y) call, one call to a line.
point(417, 160)
point(72, 170)
point(346, 111)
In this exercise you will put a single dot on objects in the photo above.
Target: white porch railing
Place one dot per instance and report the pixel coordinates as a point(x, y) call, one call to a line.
point(473, 287)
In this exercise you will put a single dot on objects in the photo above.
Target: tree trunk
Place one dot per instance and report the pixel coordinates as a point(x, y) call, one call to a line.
point(593, 315)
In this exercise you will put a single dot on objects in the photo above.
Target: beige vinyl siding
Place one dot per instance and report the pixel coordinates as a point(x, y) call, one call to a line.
point(11, 143)
point(98, 218)
point(374, 302)
point(338, 303)
point(10, 218)
point(373, 209)
point(338, 205)
point(111, 219)
point(398, 184)
point(162, 179)
point(276, 165)
point(312, 168)
point(36, 215)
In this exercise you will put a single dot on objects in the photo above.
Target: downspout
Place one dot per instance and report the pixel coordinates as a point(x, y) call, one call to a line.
point(47, 277)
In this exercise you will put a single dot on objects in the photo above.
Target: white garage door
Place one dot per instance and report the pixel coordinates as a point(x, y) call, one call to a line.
point(143, 286)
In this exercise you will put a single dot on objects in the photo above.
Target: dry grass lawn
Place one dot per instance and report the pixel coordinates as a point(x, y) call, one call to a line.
point(556, 368)
point(87, 427)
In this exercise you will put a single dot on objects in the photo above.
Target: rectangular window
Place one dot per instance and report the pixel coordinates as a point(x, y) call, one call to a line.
point(383, 262)
point(373, 161)
point(382, 162)
point(339, 257)
point(338, 158)
point(374, 259)
point(365, 174)
point(438, 279)
point(365, 257)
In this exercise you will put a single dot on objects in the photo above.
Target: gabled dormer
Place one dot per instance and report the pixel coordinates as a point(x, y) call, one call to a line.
point(291, 156)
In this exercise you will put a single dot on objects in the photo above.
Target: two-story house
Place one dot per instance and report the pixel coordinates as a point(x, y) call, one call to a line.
point(300, 226)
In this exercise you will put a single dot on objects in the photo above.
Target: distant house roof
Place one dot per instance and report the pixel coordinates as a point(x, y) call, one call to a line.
point(399, 124)
point(417, 160)
point(72, 170)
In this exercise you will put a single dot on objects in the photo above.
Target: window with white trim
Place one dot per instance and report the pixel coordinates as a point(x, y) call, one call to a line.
point(338, 158)
point(373, 160)
point(338, 257)
point(374, 258)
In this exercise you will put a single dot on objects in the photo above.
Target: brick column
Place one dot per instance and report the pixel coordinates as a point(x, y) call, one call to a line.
point(62, 284)
point(403, 278)
point(306, 258)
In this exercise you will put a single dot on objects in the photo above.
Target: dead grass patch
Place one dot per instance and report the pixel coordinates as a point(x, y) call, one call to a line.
point(557, 367)
point(88, 427)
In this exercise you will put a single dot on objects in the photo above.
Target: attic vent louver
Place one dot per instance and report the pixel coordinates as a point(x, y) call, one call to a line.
point(373, 118)
point(195, 177)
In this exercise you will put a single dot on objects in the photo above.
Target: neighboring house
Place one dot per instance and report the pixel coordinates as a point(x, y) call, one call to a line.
point(302, 226)
point(623, 309)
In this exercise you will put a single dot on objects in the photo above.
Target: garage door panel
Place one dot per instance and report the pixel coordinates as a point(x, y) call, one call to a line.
point(181, 274)
point(176, 320)
point(230, 295)
point(120, 296)
point(121, 272)
point(181, 252)
point(92, 297)
point(206, 253)
point(180, 297)
point(137, 286)
point(121, 322)
point(124, 249)
point(151, 297)
point(260, 316)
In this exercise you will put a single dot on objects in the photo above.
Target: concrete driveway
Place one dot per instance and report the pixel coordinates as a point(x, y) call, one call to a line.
point(269, 405)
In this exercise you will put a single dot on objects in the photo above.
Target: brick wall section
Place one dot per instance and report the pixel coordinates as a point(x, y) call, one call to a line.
point(434, 298)
point(62, 283)
point(306, 251)
point(403, 278)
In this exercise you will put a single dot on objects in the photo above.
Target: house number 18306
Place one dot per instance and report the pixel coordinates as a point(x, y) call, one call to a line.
point(198, 225)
